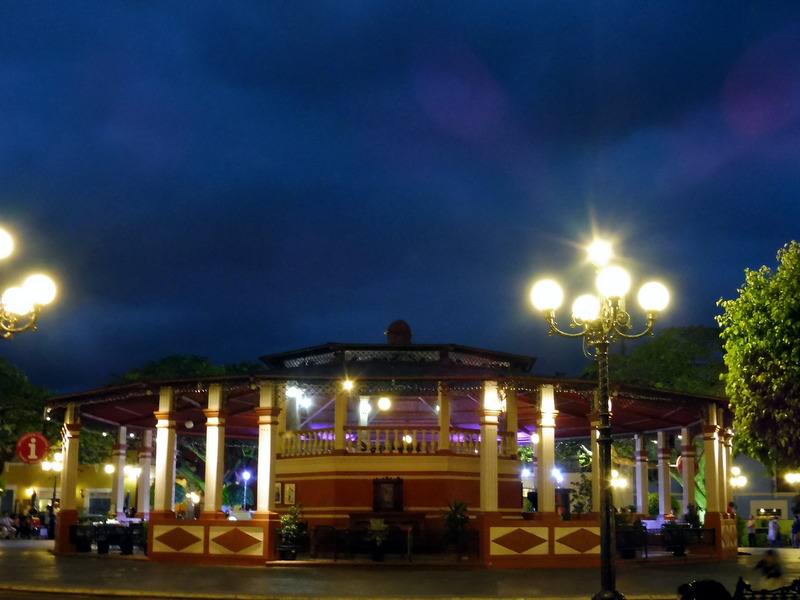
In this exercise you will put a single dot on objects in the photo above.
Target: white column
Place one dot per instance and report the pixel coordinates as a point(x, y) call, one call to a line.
point(594, 423)
point(546, 450)
point(118, 457)
point(489, 456)
point(267, 411)
point(215, 450)
point(166, 440)
point(725, 470)
point(444, 416)
point(642, 489)
point(70, 435)
point(512, 420)
point(664, 484)
point(340, 403)
point(711, 453)
point(688, 461)
point(71, 442)
point(143, 483)
point(725, 493)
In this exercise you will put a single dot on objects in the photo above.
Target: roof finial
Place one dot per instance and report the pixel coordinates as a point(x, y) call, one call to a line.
point(399, 333)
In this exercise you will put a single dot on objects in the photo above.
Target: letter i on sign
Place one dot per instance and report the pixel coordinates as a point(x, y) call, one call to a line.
point(32, 454)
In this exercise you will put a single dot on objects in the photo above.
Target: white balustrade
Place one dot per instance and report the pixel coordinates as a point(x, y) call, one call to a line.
point(389, 440)
point(309, 442)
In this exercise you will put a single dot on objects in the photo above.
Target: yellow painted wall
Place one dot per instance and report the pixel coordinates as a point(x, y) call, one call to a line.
point(20, 477)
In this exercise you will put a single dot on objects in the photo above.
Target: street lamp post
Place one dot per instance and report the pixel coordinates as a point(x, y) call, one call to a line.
point(599, 320)
point(246, 477)
point(56, 466)
point(20, 306)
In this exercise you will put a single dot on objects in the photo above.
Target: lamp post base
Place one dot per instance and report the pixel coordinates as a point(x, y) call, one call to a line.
point(608, 595)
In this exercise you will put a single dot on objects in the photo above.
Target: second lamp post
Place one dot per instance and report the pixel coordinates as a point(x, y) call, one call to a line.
point(599, 320)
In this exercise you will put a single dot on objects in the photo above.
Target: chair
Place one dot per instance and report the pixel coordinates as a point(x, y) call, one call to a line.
point(324, 540)
point(356, 540)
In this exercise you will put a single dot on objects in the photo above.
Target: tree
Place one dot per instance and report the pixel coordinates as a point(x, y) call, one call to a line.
point(761, 329)
point(21, 410)
point(191, 459)
point(683, 359)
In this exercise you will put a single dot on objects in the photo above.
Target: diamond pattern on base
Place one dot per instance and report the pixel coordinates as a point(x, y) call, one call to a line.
point(519, 540)
point(236, 540)
point(178, 539)
point(580, 540)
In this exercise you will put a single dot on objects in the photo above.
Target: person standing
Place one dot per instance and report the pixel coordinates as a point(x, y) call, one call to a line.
point(751, 531)
point(796, 532)
point(774, 533)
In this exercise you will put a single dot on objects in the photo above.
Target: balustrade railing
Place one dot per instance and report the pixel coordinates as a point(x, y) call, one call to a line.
point(465, 441)
point(308, 442)
point(391, 440)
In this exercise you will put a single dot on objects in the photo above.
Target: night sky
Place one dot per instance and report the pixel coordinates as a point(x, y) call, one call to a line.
point(234, 179)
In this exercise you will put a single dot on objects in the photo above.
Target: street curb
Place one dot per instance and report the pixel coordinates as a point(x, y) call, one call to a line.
point(190, 596)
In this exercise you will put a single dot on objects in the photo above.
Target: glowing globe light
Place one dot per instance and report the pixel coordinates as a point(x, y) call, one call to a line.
point(653, 296)
point(547, 295)
point(586, 308)
point(384, 403)
point(600, 253)
point(613, 282)
point(40, 288)
point(17, 301)
point(6, 244)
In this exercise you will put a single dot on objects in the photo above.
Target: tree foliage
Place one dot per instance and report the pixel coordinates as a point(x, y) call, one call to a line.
point(182, 366)
point(761, 333)
point(21, 410)
point(683, 359)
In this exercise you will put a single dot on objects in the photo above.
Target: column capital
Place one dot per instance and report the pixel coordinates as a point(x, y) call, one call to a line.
point(642, 455)
point(489, 416)
point(71, 430)
point(165, 419)
point(547, 419)
point(215, 416)
point(688, 449)
point(267, 411)
point(710, 432)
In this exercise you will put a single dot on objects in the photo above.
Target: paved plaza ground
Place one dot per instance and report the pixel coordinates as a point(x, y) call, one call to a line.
point(31, 565)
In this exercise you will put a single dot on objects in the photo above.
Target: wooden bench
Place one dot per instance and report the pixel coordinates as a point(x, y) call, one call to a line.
point(745, 592)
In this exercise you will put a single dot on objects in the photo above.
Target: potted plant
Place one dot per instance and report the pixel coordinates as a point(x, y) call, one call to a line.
point(378, 532)
point(630, 534)
point(456, 520)
point(290, 533)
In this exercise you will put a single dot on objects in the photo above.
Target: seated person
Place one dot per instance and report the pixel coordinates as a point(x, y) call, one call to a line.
point(7, 529)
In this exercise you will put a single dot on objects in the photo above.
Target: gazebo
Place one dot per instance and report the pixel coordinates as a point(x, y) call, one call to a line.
point(395, 431)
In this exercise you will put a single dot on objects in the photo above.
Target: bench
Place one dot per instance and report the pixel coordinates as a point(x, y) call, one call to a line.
point(745, 592)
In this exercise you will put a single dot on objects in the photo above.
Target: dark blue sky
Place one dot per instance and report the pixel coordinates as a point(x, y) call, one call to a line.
point(233, 179)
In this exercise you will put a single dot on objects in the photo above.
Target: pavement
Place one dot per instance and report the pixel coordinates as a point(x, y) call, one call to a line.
point(31, 566)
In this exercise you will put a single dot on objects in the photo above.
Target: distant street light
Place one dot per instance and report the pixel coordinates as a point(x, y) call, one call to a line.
point(20, 306)
point(601, 319)
point(738, 480)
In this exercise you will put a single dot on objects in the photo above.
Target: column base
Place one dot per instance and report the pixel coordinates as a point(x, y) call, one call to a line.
point(66, 518)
